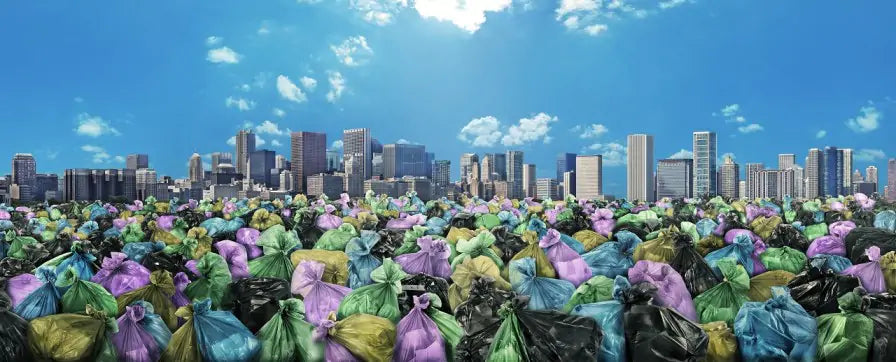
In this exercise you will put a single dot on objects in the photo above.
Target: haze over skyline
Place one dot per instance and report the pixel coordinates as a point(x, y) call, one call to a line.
point(88, 83)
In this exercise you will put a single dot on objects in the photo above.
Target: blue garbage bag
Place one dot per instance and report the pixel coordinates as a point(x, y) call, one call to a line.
point(609, 315)
point(6, 225)
point(153, 324)
point(137, 251)
point(221, 336)
point(885, 220)
point(574, 244)
point(613, 258)
point(778, 329)
point(77, 258)
point(508, 219)
point(88, 227)
point(436, 226)
point(4, 247)
point(824, 262)
point(544, 293)
point(214, 226)
point(538, 226)
point(705, 227)
point(44, 300)
point(741, 250)
point(361, 263)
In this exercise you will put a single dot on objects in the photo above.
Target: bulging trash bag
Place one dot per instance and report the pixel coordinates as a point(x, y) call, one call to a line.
point(778, 329)
point(870, 274)
point(543, 293)
point(153, 324)
point(11, 267)
point(13, 333)
point(885, 220)
point(335, 262)
point(888, 267)
point(590, 239)
point(409, 240)
point(210, 336)
point(418, 337)
point(390, 241)
point(568, 263)
point(193, 246)
point(378, 299)
point(320, 297)
point(542, 263)
point(78, 258)
point(787, 235)
point(262, 220)
point(138, 251)
point(120, 276)
point(132, 342)
point(42, 301)
point(671, 291)
point(431, 259)
point(845, 336)
point(817, 291)
point(609, 316)
point(247, 238)
point(361, 263)
point(358, 337)
point(420, 284)
point(741, 250)
point(336, 239)
point(722, 302)
point(277, 243)
point(722, 342)
point(883, 347)
point(72, 337)
point(597, 289)
point(613, 258)
point(828, 245)
point(213, 282)
point(328, 221)
point(833, 263)
point(158, 292)
point(286, 337)
point(19, 287)
point(697, 275)
point(254, 300)
point(479, 245)
point(861, 239)
point(602, 222)
point(661, 249)
point(815, 231)
point(80, 293)
point(235, 256)
point(481, 308)
point(657, 333)
point(764, 226)
point(467, 272)
point(761, 285)
point(783, 258)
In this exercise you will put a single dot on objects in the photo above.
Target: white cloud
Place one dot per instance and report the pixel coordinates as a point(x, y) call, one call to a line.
point(260, 79)
point(682, 154)
point(730, 110)
point(481, 132)
point(92, 149)
point(260, 141)
point(336, 145)
point(596, 29)
point(268, 127)
point(99, 154)
point(870, 155)
point(465, 14)
point(279, 112)
point(263, 30)
point(79, 100)
point(821, 134)
point(289, 90)
point(529, 130)
point(51, 155)
point(276, 143)
point(614, 154)
point(240, 103)
point(353, 51)
point(379, 12)
point(213, 40)
point(309, 83)
point(245, 87)
point(337, 86)
point(231, 141)
point(750, 128)
point(119, 159)
point(591, 16)
point(94, 126)
point(727, 154)
point(402, 141)
point(671, 4)
point(223, 55)
point(593, 131)
point(867, 121)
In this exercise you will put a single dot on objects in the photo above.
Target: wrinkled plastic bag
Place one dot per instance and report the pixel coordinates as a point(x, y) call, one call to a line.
point(286, 337)
point(210, 335)
point(671, 291)
point(277, 243)
point(817, 291)
point(697, 275)
point(418, 337)
point(13, 333)
point(870, 274)
point(761, 285)
point(543, 293)
point(358, 337)
point(213, 281)
point(568, 263)
point(419, 284)
point(378, 299)
point(613, 258)
point(120, 276)
point(783, 258)
point(42, 301)
point(777, 329)
point(132, 342)
point(336, 263)
point(480, 310)
point(72, 337)
point(722, 302)
point(320, 297)
point(845, 336)
point(597, 289)
point(361, 263)
point(158, 292)
point(467, 272)
point(336, 239)
point(431, 259)
point(81, 293)
point(254, 301)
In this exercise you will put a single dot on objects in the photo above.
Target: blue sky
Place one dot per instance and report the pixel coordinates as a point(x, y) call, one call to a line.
point(86, 83)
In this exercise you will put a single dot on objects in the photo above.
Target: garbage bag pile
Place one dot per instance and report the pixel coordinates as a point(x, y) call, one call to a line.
point(377, 278)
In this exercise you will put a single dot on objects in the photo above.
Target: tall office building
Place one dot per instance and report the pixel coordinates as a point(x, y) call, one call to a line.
point(833, 171)
point(515, 174)
point(768, 184)
point(428, 163)
point(799, 181)
point(402, 159)
point(565, 162)
point(814, 174)
point(752, 179)
point(846, 163)
point(786, 160)
point(569, 183)
point(219, 158)
point(356, 142)
point(375, 146)
point(742, 189)
point(589, 177)
point(137, 161)
point(729, 178)
point(640, 167)
point(857, 176)
point(466, 165)
point(871, 175)
point(245, 144)
point(674, 178)
point(546, 188)
point(705, 153)
point(281, 162)
point(352, 182)
point(891, 179)
point(146, 181)
point(44, 182)
point(501, 166)
point(24, 173)
point(376, 164)
point(441, 173)
point(197, 174)
point(488, 167)
point(334, 160)
point(260, 164)
point(529, 180)
point(309, 157)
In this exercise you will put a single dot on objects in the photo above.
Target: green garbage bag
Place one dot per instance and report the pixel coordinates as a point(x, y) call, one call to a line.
point(487, 221)
point(480, 245)
point(158, 293)
point(762, 284)
point(661, 250)
point(73, 337)
point(336, 239)
point(690, 229)
point(815, 231)
point(262, 220)
point(213, 282)
point(723, 301)
point(783, 258)
point(764, 226)
point(509, 344)
point(543, 266)
point(845, 336)
point(378, 299)
point(286, 336)
point(193, 246)
point(448, 326)
point(276, 243)
point(17, 244)
point(597, 289)
point(183, 345)
point(81, 293)
point(132, 233)
point(409, 242)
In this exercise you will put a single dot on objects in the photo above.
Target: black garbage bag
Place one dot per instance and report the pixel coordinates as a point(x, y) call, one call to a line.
point(173, 263)
point(36, 253)
point(308, 232)
point(883, 347)
point(193, 219)
point(59, 245)
point(104, 222)
point(255, 300)
point(880, 301)
point(831, 217)
point(11, 267)
point(103, 248)
point(787, 235)
point(863, 218)
point(860, 239)
point(464, 220)
point(390, 239)
point(574, 224)
point(697, 274)
point(13, 332)
point(509, 243)
point(630, 228)
point(547, 335)
point(655, 333)
point(419, 284)
point(435, 211)
point(480, 310)
point(817, 291)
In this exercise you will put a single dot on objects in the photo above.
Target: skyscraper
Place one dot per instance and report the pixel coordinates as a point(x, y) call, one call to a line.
point(857, 176)
point(833, 171)
point(402, 159)
point(640, 167)
point(309, 157)
point(814, 174)
point(546, 188)
point(441, 173)
point(674, 178)
point(729, 178)
point(529, 180)
point(768, 184)
point(146, 181)
point(466, 165)
point(219, 158)
point(428, 163)
point(871, 174)
point(260, 164)
point(799, 182)
point(137, 161)
point(282, 163)
point(356, 142)
point(245, 144)
point(488, 167)
point(705, 163)
point(24, 171)
point(891, 179)
point(752, 179)
point(589, 177)
point(501, 166)
point(785, 160)
point(569, 183)
point(197, 174)
point(565, 162)
point(515, 174)
point(846, 173)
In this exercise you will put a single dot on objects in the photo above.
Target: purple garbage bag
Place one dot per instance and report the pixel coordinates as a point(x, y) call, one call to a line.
point(132, 343)
point(333, 350)
point(235, 256)
point(19, 286)
point(671, 291)
point(119, 275)
point(166, 222)
point(191, 266)
point(841, 228)
point(247, 237)
point(419, 338)
point(758, 248)
point(730, 235)
point(828, 245)
point(320, 297)
point(754, 211)
point(179, 298)
point(328, 221)
point(869, 274)
point(406, 222)
point(432, 259)
point(569, 265)
point(602, 221)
